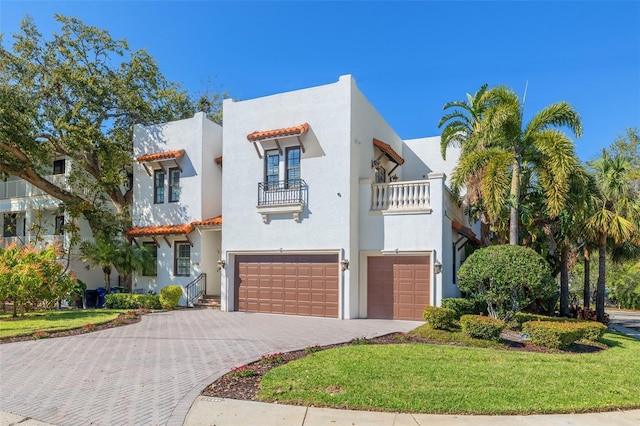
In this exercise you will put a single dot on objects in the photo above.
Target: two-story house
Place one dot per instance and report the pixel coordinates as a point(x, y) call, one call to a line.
point(327, 211)
point(177, 204)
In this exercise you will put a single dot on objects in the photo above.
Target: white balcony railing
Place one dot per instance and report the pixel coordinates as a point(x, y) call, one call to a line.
point(40, 242)
point(401, 196)
point(20, 188)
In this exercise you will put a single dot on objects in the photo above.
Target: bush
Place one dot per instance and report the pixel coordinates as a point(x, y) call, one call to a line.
point(481, 327)
point(462, 306)
point(507, 277)
point(592, 331)
point(439, 318)
point(522, 317)
point(170, 296)
point(132, 301)
point(553, 334)
point(587, 314)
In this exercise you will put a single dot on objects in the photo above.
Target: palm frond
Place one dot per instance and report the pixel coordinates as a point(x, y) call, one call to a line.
point(556, 115)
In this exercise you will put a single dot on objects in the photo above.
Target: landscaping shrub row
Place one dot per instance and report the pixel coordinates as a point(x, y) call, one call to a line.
point(481, 327)
point(132, 301)
point(562, 334)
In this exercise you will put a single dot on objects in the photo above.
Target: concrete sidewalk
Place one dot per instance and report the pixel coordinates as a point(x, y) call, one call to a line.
point(208, 411)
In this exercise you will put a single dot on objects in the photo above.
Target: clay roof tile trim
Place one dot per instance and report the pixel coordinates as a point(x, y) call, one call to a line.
point(159, 156)
point(278, 133)
point(391, 153)
point(141, 231)
point(209, 222)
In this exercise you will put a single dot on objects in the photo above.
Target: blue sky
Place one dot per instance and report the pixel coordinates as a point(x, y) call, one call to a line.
point(408, 58)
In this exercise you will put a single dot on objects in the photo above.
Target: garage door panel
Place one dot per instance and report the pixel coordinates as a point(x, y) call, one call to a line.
point(398, 286)
point(300, 284)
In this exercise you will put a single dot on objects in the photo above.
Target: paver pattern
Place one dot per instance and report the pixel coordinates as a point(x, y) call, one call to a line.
point(151, 372)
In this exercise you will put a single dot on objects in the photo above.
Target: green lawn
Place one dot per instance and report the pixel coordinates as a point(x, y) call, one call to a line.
point(425, 378)
point(53, 321)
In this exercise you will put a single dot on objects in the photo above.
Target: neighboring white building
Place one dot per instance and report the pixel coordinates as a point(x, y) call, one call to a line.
point(327, 211)
point(29, 215)
point(176, 210)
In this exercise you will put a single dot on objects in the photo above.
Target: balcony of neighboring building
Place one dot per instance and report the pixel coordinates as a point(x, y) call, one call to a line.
point(401, 197)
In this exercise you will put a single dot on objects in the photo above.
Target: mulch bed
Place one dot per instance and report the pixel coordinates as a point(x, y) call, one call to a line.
point(233, 387)
point(118, 322)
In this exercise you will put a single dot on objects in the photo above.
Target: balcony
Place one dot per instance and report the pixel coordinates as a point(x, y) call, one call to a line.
point(282, 197)
point(21, 188)
point(401, 197)
point(41, 242)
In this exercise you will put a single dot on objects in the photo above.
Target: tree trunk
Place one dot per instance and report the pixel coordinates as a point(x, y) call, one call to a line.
point(564, 281)
point(514, 217)
point(586, 291)
point(602, 258)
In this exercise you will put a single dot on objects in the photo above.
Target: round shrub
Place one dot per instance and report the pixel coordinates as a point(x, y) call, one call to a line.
point(481, 327)
point(507, 278)
point(170, 296)
point(439, 318)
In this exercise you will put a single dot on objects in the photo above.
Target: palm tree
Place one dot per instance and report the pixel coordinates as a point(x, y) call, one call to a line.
point(461, 126)
point(511, 150)
point(101, 254)
point(617, 217)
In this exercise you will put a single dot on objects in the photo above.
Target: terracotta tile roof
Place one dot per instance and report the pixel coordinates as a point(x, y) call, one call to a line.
point(278, 133)
point(160, 230)
point(467, 232)
point(158, 156)
point(209, 222)
point(389, 152)
point(218, 160)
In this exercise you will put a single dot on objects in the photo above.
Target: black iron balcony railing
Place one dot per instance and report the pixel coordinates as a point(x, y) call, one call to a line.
point(282, 192)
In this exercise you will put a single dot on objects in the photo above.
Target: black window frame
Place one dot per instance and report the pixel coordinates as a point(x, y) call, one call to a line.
point(9, 221)
point(174, 185)
point(151, 270)
point(59, 167)
point(176, 251)
point(58, 225)
point(271, 184)
point(158, 187)
point(295, 182)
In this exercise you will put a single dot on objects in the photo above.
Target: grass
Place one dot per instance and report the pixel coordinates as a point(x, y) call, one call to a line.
point(51, 321)
point(425, 378)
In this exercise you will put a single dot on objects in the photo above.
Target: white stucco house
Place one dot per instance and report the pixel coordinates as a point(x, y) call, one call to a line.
point(327, 211)
point(28, 215)
point(176, 210)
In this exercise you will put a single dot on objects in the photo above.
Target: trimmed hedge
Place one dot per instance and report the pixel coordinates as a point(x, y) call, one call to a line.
point(132, 301)
point(170, 296)
point(553, 334)
point(463, 306)
point(439, 318)
point(522, 317)
point(481, 327)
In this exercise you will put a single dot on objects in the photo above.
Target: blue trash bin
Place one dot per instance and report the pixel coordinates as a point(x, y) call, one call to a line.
point(101, 299)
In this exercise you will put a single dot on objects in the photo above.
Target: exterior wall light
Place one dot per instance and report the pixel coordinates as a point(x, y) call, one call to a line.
point(437, 267)
point(221, 264)
point(345, 264)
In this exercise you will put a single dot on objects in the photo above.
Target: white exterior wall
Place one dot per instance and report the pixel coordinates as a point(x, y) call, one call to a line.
point(200, 196)
point(325, 166)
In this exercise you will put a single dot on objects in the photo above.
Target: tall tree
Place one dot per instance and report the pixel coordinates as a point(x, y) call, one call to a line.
point(461, 127)
point(513, 150)
point(617, 217)
point(77, 95)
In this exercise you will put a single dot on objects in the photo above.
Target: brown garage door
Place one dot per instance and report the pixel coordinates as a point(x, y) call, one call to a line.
point(397, 286)
point(287, 284)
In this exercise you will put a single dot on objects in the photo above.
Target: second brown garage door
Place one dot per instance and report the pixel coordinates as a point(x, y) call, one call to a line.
point(397, 286)
point(287, 284)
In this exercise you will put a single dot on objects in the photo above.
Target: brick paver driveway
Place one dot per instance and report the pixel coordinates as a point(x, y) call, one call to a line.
point(151, 372)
